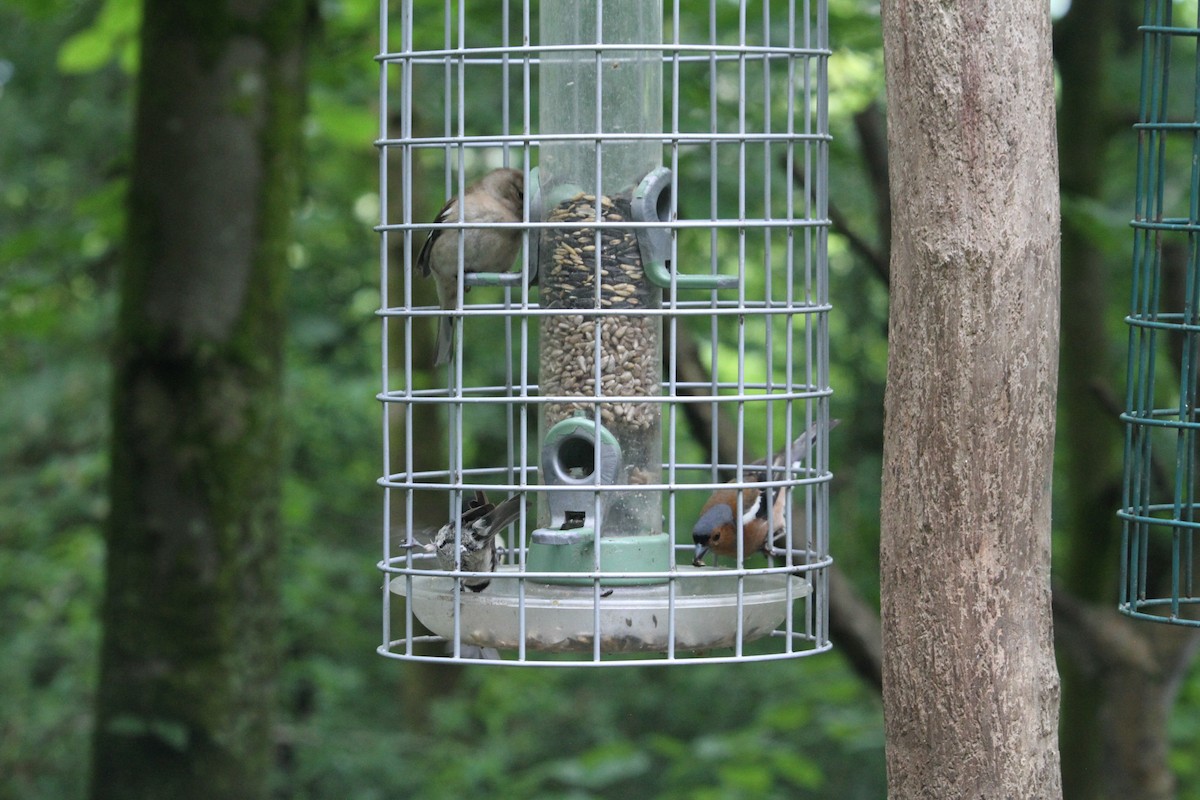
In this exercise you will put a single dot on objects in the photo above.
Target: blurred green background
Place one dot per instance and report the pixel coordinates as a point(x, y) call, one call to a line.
point(352, 724)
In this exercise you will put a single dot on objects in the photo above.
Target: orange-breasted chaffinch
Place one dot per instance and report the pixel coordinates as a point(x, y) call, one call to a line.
point(717, 527)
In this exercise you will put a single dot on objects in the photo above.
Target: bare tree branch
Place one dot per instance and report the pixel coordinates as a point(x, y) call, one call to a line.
point(688, 368)
point(855, 628)
point(840, 225)
point(872, 134)
point(871, 126)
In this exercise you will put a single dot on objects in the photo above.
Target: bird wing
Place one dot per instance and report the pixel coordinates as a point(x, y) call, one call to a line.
point(427, 248)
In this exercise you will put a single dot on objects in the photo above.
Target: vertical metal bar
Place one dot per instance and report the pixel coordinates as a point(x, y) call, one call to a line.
point(768, 170)
point(597, 325)
point(820, 596)
point(457, 474)
point(525, 459)
point(741, 320)
point(789, 300)
point(508, 319)
point(1186, 453)
point(407, 155)
point(1154, 111)
point(1134, 432)
point(672, 324)
point(1160, 105)
point(714, 214)
point(769, 299)
point(447, 93)
point(383, 302)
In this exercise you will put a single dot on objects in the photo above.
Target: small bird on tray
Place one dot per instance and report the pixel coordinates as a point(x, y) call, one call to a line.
point(481, 521)
point(716, 529)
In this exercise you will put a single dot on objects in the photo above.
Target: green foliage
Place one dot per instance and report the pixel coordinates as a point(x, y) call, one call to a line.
point(353, 724)
point(1185, 732)
point(762, 731)
point(60, 215)
point(112, 37)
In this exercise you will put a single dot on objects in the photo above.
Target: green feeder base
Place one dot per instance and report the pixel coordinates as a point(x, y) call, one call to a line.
point(558, 551)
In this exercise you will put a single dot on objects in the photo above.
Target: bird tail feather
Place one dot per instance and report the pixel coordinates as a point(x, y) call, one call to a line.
point(801, 445)
point(503, 514)
point(445, 341)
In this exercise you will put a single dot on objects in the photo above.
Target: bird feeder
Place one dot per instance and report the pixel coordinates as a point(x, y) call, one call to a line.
point(662, 335)
point(1159, 499)
point(599, 346)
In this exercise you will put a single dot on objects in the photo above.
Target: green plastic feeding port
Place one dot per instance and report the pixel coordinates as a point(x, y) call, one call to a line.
point(652, 203)
point(581, 459)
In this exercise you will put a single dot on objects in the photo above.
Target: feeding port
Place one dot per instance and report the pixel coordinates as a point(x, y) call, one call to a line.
point(628, 447)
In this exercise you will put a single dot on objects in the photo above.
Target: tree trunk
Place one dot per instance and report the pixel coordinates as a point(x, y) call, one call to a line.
point(189, 658)
point(1136, 668)
point(970, 687)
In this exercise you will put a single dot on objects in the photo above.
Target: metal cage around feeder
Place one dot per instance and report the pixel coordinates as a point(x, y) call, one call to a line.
point(663, 333)
point(1159, 502)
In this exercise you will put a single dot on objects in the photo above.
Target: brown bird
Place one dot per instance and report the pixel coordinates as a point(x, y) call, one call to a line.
point(717, 527)
point(496, 197)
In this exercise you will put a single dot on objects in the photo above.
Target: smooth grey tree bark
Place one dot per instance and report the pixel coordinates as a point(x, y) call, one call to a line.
point(970, 686)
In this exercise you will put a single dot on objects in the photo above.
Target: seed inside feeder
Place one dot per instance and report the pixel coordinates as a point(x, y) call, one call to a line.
point(584, 270)
point(629, 365)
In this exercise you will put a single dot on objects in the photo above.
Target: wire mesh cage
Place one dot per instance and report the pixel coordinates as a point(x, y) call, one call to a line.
point(1159, 503)
point(617, 450)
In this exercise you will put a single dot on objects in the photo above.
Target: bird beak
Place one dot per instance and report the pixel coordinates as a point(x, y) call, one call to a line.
point(698, 561)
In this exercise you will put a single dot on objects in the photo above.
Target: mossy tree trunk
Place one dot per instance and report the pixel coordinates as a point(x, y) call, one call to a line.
point(189, 658)
point(969, 680)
